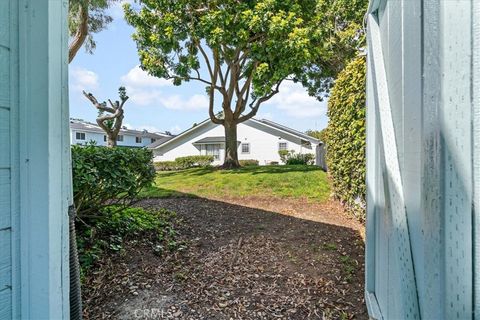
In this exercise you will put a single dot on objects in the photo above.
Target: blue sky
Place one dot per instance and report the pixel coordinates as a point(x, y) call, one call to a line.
point(155, 104)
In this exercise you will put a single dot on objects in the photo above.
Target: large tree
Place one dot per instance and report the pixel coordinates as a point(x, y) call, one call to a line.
point(241, 50)
point(110, 117)
point(86, 17)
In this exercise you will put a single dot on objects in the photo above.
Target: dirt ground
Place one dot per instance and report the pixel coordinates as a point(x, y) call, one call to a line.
point(246, 258)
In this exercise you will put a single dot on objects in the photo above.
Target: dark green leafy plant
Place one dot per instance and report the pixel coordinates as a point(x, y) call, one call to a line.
point(345, 137)
point(105, 176)
point(115, 227)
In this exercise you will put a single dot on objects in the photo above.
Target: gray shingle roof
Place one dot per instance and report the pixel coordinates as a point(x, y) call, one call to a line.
point(159, 141)
point(81, 125)
point(287, 129)
point(210, 140)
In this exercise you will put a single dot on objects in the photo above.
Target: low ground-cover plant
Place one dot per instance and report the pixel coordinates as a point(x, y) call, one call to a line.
point(292, 158)
point(115, 227)
point(184, 163)
point(248, 162)
point(105, 176)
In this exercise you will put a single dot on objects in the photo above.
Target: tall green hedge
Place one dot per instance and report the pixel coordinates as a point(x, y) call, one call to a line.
point(346, 137)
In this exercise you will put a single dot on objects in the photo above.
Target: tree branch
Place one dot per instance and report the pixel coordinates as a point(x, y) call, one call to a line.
point(255, 105)
point(81, 33)
point(99, 106)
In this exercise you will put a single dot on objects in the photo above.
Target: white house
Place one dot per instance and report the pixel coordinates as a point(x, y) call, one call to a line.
point(83, 132)
point(257, 139)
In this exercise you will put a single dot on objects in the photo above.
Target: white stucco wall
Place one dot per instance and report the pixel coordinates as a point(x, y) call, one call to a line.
point(263, 142)
point(128, 140)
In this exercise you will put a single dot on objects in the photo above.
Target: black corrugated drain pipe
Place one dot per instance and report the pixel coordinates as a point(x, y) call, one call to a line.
point(75, 290)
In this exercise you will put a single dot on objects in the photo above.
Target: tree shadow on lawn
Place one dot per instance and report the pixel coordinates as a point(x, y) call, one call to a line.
point(273, 169)
point(241, 262)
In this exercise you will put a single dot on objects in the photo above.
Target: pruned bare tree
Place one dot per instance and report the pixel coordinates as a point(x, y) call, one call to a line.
point(110, 117)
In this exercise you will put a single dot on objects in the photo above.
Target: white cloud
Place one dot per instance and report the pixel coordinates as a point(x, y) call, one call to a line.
point(149, 128)
point(142, 88)
point(116, 11)
point(83, 79)
point(195, 102)
point(138, 78)
point(145, 90)
point(294, 100)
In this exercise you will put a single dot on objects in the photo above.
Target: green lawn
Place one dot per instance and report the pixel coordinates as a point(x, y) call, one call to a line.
point(282, 181)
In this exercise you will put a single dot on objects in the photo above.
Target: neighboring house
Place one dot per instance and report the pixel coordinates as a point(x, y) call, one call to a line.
point(83, 132)
point(257, 139)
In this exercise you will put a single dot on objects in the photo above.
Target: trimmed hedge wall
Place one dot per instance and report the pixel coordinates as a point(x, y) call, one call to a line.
point(346, 137)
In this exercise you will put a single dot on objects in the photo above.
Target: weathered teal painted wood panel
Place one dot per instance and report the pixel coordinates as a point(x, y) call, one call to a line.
point(4, 23)
point(4, 77)
point(5, 303)
point(5, 137)
point(431, 60)
point(476, 152)
point(6, 285)
point(5, 201)
point(5, 274)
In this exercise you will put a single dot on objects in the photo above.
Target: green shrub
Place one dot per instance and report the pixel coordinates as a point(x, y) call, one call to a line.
point(284, 154)
point(184, 163)
point(166, 165)
point(248, 162)
point(292, 158)
point(105, 176)
point(194, 161)
point(117, 226)
point(345, 137)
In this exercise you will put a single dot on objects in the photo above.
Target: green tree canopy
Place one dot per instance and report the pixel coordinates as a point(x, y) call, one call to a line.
point(340, 28)
point(86, 17)
point(245, 49)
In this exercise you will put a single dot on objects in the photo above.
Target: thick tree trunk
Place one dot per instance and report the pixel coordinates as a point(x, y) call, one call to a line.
point(231, 146)
point(111, 141)
point(81, 33)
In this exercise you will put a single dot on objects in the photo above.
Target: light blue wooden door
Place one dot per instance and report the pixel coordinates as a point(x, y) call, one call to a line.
point(8, 153)
point(423, 159)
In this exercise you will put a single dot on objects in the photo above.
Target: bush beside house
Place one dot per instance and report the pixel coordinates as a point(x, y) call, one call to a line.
point(184, 163)
point(292, 158)
point(248, 162)
point(346, 137)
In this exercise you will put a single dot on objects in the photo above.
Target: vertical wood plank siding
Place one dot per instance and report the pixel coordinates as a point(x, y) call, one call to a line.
point(35, 173)
point(431, 56)
point(7, 110)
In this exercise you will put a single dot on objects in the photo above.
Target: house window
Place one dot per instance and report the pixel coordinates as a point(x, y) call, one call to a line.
point(213, 150)
point(245, 147)
point(138, 139)
point(80, 135)
point(105, 138)
point(153, 140)
point(282, 146)
point(120, 138)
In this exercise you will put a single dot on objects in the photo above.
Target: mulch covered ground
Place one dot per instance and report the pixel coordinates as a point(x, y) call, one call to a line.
point(248, 258)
